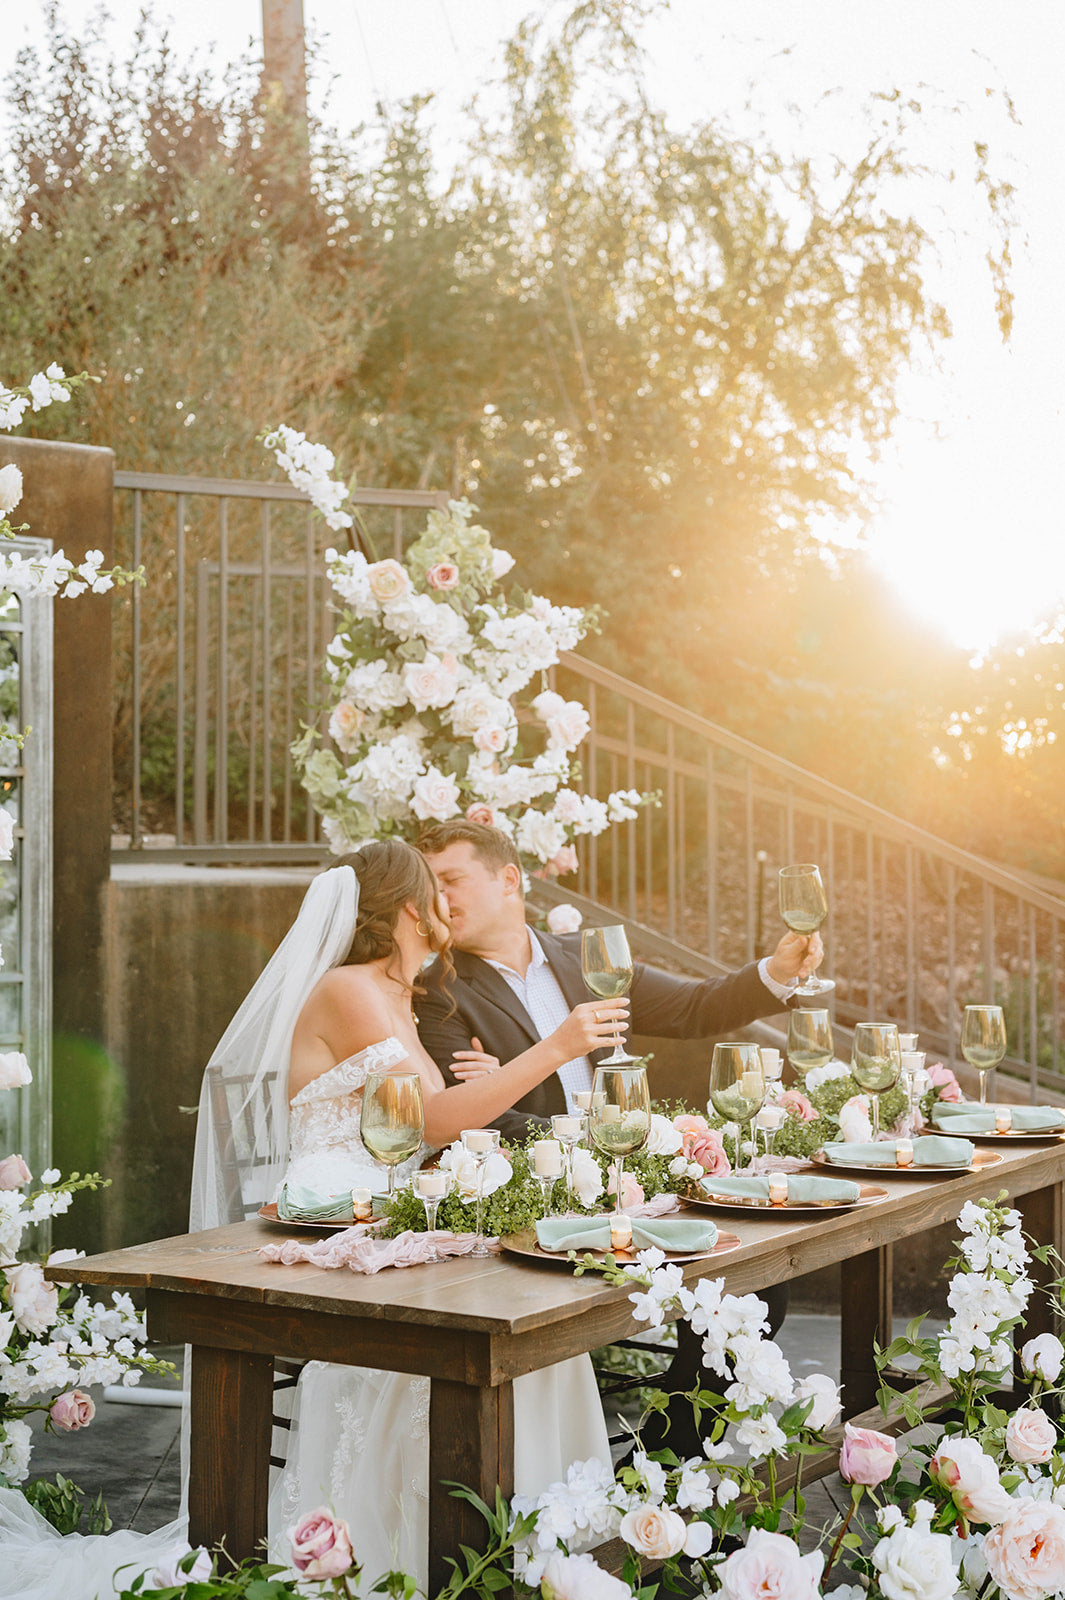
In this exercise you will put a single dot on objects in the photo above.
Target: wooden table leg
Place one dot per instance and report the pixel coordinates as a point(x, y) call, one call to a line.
point(1043, 1218)
point(229, 1449)
point(865, 1316)
point(471, 1441)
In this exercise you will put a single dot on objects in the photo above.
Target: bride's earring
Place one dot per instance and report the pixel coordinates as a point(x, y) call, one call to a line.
point(421, 930)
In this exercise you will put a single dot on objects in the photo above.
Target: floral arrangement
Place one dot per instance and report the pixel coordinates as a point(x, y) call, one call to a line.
point(436, 699)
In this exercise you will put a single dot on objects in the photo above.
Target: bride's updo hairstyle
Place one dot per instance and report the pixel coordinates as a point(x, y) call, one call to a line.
point(391, 875)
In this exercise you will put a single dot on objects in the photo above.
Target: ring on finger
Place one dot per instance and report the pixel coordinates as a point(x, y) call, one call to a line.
point(595, 1014)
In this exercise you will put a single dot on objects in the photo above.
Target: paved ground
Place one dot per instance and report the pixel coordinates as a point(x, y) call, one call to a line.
point(132, 1452)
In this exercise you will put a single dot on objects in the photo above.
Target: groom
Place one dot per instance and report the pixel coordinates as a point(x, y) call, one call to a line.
point(512, 986)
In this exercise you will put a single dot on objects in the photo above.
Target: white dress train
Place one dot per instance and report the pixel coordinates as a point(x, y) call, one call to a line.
point(360, 1436)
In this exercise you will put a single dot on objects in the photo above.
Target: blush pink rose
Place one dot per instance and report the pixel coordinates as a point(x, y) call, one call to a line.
point(631, 1192)
point(387, 580)
point(654, 1531)
point(945, 1083)
point(72, 1411)
point(867, 1457)
point(479, 812)
point(771, 1567)
point(564, 919)
point(691, 1122)
point(321, 1545)
point(971, 1479)
point(445, 575)
point(708, 1149)
point(1025, 1554)
point(564, 861)
point(1030, 1436)
point(14, 1172)
point(795, 1101)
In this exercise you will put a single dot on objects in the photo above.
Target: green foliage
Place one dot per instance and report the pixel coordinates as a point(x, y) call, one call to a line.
point(67, 1507)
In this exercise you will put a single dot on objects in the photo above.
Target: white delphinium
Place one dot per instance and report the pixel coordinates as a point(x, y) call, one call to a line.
point(309, 467)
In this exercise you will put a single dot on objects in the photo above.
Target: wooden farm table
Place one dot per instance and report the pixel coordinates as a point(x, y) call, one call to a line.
point(474, 1326)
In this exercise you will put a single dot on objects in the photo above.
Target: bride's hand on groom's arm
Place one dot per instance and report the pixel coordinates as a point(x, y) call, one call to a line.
point(475, 1063)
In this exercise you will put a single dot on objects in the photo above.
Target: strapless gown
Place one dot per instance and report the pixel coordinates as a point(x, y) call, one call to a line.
point(359, 1441)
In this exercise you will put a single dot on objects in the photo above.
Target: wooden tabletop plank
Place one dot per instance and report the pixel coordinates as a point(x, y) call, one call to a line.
point(503, 1294)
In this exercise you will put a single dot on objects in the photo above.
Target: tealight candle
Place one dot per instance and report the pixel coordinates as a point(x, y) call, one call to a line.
point(431, 1185)
point(907, 1041)
point(904, 1152)
point(478, 1141)
point(772, 1066)
point(778, 1188)
point(583, 1099)
point(547, 1158)
point(752, 1085)
point(362, 1204)
point(620, 1233)
point(1003, 1119)
point(770, 1118)
point(609, 1113)
point(567, 1127)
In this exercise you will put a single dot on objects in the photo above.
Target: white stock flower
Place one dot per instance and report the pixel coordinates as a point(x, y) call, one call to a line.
point(10, 488)
point(564, 919)
point(622, 805)
point(824, 1392)
point(16, 1443)
point(435, 796)
point(373, 687)
point(762, 1374)
point(695, 1491)
point(309, 467)
point(537, 835)
point(13, 408)
point(761, 1436)
point(587, 1176)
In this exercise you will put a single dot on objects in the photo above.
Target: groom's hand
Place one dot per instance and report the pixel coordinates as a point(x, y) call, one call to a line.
point(795, 957)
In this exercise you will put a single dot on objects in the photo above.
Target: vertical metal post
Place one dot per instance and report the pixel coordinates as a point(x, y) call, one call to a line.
point(135, 821)
point(870, 923)
point(590, 782)
point(748, 856)
point(911, 971)
point(1033, 1008)
point(830, 856)
point(1020, 978)
point(988, 940)
point(268, 780)
point(253, 699)
point(221, 775)
point(789, 821)
point(671, 835)
point(199, 732)
point(630, 827)
point(682, 857)
point(952, 1019)
point(711, 855)
point(397, 534)
point(309, 559)
point(179, 688)
point(290, 630)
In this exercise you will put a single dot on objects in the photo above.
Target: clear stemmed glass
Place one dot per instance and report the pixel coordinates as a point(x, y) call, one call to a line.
point(876, 1062)
point(392, 1121)
point(619, 1121)
point(912, 1064)
point(804, 908)
point(480, 1143)
point(546, 1168)
point(606, 966)
point(567, 1127)
point(431, 1187)
point(737, 1086)
point(983, 1041)
point(809, 1040)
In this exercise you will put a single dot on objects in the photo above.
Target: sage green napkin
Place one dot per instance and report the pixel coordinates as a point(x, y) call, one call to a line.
point(297, 1203)
point(930, 1151)
point(968, 1118)
point(593, 1233)
point(803, 1189)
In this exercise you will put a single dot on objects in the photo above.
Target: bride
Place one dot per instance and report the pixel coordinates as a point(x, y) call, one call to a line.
point(335, 1003)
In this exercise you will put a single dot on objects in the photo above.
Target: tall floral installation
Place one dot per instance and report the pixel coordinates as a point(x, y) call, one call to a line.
point(436, 699)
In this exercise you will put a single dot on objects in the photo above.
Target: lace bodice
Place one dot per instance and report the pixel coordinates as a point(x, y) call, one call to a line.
point(324, 1116)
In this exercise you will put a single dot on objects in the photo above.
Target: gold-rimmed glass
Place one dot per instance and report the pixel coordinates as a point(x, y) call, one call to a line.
point(983, 1041)
point(737, 1086)
point(804, 909)
point(606, 966)
point(876, 1062)
point(809, 1039)
point(619, 1117)
point(392, 1121)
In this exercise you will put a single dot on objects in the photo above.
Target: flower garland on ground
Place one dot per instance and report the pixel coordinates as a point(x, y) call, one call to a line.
point(432, 674)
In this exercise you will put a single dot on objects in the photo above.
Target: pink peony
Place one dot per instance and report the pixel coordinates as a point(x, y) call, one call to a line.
point(1025, 1554)
point(14, 1172)
point(1030, 1436)
point(945, 1083)
point(867, 1457)
point(321, 1545)
point(690, 1122)
point(631, 1192)
point(708, 1149)
point(795, 1101)
point(771, 1567)
point(72, 1411)
point(445, 575)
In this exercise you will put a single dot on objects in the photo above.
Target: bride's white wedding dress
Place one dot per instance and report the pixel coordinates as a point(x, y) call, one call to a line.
point(360, 1436)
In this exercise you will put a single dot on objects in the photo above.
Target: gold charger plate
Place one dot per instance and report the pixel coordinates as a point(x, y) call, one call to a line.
point(1015, 1135)
point(269, 1214)
point(526, 1246)
point(982, 1159)
point(868, 1195)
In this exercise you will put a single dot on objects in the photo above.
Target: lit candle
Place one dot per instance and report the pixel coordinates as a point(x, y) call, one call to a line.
point(770, 1118)
point(547, 1158)
point(609, 1113)
point(752, 1085)
point(567, 1127)
point(904, 1152)
point(907, 1041)
point(478, 1141)
point(620, 1233)
point(771, 1063)
point(362, 1204)
point(583, 1099)
point(1003, 1119)
point(778, 1188)
point(431, 1185)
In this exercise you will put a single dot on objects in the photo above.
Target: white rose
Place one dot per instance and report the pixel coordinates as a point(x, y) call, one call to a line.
point(435, 797)
point(169, 1575)
point(387, 580)
point(1040, 1358)
point(1030, 1436)
point(580, 1578)
point(428, 683)
point(463, 1168)
point(654, 1531)
point(818, 1076)
point(564, 919)
point(971, 1479)
point(854, 1124)
point(663, 1139)
point(344, 725)
point(820, 1388)
point(568, 727)
point(916, 1564)
point(477, 707)
point(587, 1177)
point(10, 488)
point(678, 1167)
point(34, 1302)
point(14, 1070)
point(771, 1564)
point(502, 561)
point(539, 836)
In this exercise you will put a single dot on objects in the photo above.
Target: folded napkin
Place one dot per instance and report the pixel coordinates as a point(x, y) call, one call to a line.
point(297, 1203)
point(593, 1233)
point(931, 1151)
point(805, 1190)
point(968, 1118)
point(357, 1250)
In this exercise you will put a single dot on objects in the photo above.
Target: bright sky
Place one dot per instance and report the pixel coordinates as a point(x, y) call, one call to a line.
point(971, 525)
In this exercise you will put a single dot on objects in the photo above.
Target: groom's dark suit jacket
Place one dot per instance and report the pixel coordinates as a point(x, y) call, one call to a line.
point(478, 1003)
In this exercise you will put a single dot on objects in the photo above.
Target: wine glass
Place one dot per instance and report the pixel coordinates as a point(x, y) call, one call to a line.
point(876, 1062)
point(606, 966)
point(619, 1122)
point(804, 907)
point(392, 1121)
point(983, 1041)
point(431, 1187)
point(480, 1143)
point(809, 1039)
point(737, 1086)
